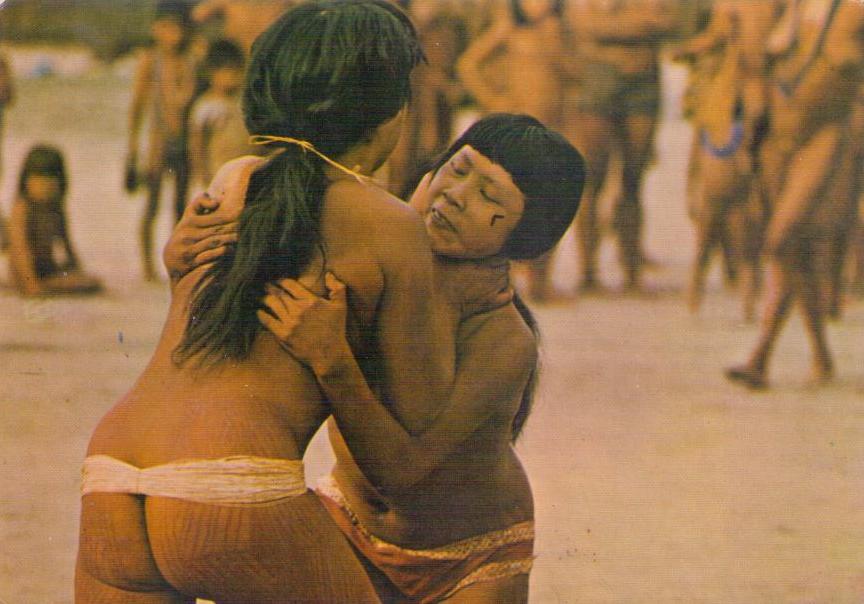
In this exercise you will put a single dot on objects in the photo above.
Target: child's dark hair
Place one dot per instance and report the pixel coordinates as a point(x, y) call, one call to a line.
point(43, 160)
point(329, 72)
point(546, 168)
point(179, 10)
point(224, 53)
point(522, 20)
point(550, 173)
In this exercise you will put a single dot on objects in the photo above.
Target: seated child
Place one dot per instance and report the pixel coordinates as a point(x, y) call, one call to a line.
point(37, 225)
point(216, 130)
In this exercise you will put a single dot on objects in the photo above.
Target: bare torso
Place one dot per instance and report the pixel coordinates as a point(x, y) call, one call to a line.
point(267, 405)
point(624, 34)
point(479, 488)
point(820, 90)
point(517, 68)
point(534, 76)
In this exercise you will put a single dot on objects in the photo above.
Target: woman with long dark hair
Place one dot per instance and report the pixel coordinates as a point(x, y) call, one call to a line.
point(193, 485)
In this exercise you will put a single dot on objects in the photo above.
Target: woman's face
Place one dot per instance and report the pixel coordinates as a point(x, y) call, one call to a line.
point(42, 188)
point(470, 206)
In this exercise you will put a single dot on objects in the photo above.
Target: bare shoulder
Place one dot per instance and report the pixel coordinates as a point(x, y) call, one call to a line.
point(373, 213)
point(500, 329)
point(19, 209)
point(368, 200)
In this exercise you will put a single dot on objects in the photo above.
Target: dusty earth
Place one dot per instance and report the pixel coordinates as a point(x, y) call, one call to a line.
point(655, 479)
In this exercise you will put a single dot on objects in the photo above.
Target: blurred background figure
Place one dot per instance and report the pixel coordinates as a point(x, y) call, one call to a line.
point(242, 20)
point(807, 164)
point(164, 85)
point(520, 64)
point(727, 104)
point(435, 93)
point(856, 240)
point(617, 46)
point(7, 96)
point(38, 230)
point(213, 136)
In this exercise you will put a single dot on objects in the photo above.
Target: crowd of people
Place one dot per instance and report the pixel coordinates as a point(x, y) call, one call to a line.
point(488, 117)
point(588, 69)
point(776, 164)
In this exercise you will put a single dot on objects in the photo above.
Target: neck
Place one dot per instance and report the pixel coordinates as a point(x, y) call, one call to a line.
point(361, 158)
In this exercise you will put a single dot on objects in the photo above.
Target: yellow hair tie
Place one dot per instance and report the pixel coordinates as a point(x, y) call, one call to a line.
point(266, 139)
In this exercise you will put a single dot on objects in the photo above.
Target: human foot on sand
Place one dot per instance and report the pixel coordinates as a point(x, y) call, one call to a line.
point(747, 376)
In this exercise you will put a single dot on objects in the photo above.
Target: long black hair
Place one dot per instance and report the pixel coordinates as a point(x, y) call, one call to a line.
point(329, 72)
point(43, 160)
point(550, 173)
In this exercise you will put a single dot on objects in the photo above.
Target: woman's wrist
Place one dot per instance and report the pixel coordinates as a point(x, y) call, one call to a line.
point(336, 364)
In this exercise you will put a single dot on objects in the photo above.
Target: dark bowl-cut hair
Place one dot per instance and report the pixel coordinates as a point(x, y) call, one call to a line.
point(545, 167)
point(43, 160)
point(521, 19)
point(550, 173)
point(329, 72)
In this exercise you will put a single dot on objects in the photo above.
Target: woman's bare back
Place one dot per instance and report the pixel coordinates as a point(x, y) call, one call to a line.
point(267, 405)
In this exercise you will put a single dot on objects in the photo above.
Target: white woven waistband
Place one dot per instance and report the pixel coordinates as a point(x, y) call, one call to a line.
point(236, 480)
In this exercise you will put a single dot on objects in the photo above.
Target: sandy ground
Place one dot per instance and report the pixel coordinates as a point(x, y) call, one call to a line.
point(655, 479)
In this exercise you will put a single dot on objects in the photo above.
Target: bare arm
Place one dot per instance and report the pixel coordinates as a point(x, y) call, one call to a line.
point(7, 84)
point(782, 37)
point(843, 46)
point(715, 34)
point(20, 253)
point(415, 337)
point(140, 96)
point(842, 54)
point(494, 365)
point(197, 157)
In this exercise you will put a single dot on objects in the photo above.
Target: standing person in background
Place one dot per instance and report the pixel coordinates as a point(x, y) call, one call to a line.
point(856, 239)
point(212, 141)
point(37, 226)
point(617, 44)
point(435, 91)
point(729, 116)
point(531, 36)
point(7, 96)
point(164, 84)
point(807, 172)
point(221, 417)
point(243, 20)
